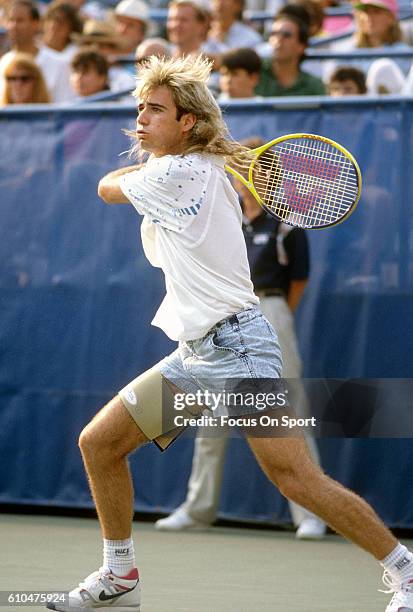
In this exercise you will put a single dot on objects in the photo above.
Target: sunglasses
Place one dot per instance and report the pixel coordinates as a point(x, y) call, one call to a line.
point(24, 78)
point(282, 34)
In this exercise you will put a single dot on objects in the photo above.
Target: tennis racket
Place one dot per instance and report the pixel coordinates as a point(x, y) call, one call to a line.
point(303, 180)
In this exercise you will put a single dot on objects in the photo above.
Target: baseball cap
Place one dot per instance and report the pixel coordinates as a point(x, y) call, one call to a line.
point(135, 9)
point(389, 5)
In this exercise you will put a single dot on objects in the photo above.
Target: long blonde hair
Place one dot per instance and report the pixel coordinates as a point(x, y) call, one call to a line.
point(25, 61)
point(186, 78)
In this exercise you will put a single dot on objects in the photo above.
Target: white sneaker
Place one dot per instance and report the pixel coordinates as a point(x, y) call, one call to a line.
point(179, 521)
point(402, 600)
point(102, 590)
point(311, 528)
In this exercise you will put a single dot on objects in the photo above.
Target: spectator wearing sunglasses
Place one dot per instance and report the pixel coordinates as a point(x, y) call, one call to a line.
point(22, 24)
point(24, 82)
point(281, 74)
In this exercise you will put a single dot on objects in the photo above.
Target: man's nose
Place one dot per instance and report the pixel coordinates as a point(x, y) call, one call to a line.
point(142, 118)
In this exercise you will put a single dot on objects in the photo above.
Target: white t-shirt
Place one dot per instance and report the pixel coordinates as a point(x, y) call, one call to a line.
point(239, 35)
point(192, 229)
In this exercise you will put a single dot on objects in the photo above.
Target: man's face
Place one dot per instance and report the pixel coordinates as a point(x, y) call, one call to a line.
point(87, 81)
point(183, 27)
point(157, 127)
point(56, 31)
point(343, 88)
point(284, 40)
point(21, 27)
point(237, 83)
point(132, 30)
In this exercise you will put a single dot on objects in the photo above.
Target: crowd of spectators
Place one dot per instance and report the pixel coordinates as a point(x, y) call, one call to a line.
point(69, 49)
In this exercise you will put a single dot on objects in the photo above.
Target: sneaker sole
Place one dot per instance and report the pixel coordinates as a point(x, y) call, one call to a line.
point(57, 608)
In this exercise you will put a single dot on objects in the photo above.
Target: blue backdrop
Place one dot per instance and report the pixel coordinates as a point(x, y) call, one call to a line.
point(77, 297)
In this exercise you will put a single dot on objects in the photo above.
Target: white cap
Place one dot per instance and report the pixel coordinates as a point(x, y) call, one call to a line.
point(135, 9)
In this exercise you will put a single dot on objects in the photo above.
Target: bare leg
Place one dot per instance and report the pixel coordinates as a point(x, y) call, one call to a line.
point(288, 464)
point(105, 444)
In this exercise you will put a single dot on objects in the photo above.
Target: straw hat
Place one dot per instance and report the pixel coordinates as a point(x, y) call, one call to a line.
point(99, 32)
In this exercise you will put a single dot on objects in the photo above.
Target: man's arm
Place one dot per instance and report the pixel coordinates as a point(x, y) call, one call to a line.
point(295, 293)
point(109, 189)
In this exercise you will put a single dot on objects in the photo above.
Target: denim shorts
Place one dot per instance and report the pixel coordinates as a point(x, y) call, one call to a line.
point(243, 347)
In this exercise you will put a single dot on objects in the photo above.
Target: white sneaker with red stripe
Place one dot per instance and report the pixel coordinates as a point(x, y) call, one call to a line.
point(402, 600)
point(102, 590)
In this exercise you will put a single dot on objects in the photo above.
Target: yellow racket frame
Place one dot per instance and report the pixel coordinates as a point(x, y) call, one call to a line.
point(249, 183)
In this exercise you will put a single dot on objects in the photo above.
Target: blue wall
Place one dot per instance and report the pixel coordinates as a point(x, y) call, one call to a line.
point(77, 297)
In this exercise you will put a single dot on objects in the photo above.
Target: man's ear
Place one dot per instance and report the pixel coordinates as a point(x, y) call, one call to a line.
point(188, 121)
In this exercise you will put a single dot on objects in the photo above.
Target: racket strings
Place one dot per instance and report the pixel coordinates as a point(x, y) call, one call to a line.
point(305, 183)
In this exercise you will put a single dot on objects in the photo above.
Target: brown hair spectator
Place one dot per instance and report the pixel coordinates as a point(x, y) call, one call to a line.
point(347, 80)
point(59, 22)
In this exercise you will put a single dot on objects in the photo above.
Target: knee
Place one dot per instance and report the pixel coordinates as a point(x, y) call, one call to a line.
point(299, 485)
point(89, 442)
point(94, 446)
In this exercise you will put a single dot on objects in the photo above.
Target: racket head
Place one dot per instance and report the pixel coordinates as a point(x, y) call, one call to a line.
point(304, 180)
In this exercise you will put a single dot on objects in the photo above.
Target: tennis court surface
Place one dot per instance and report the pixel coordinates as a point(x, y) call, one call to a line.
point(219, 570)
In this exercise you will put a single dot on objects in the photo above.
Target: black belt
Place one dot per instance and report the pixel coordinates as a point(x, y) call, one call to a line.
point(270, 292)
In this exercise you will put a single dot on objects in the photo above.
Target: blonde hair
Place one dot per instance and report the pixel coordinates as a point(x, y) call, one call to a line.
point(186, 78)
point(24, 61)
point(392, 36)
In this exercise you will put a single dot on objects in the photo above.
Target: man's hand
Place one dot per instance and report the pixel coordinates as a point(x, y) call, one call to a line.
point(108, 188)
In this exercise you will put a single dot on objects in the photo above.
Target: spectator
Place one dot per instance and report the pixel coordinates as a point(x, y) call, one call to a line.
point(59, 22)
point(347, 81)
point(103, 37)
point(239, 73)
point(187, 27)
point(310, 11)
point(377, 26)
point(22, 25)
point(228, 29)
point(131, 23)
point(24, 82)
point(152, 46)
point(281, 75)
point(89, 73)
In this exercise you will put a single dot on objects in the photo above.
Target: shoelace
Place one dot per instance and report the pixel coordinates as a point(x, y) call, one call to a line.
point(393, 584)
point(102, 575)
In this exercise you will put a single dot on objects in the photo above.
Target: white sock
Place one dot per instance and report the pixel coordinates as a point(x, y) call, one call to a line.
point(119, 556)
point(399, 563)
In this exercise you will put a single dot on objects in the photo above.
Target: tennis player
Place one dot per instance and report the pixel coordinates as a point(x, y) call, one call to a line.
point(192, 229)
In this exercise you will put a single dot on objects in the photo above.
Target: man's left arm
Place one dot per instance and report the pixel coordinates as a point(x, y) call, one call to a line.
point(297, 249)
point(109, 186)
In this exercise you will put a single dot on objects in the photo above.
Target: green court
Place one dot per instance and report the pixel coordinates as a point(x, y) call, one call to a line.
point(219, 570)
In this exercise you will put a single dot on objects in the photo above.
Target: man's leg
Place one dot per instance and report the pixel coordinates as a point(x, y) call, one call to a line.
point(105, 444)
point(288, 464)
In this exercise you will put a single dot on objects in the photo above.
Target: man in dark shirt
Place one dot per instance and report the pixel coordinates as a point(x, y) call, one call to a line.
point(281, 75)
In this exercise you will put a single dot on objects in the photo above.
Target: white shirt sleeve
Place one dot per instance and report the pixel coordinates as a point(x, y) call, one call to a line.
point(169, 190)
